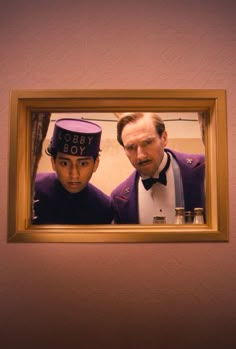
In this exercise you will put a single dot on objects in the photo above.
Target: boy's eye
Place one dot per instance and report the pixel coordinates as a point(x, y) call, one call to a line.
point(63, 163)
point(83, 163)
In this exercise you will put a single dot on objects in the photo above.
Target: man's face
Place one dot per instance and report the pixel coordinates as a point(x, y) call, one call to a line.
point(74, 172)
point(143, 146)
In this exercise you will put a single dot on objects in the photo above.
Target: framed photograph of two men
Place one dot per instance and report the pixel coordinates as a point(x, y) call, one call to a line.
point(80, 161)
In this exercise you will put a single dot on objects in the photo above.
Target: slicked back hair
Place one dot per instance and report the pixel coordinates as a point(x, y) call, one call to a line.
point(134, 116)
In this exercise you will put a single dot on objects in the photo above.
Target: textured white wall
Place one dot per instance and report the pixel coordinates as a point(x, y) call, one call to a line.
point(117, 295)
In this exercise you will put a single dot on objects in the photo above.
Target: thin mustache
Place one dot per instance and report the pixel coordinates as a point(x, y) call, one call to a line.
point(141, 162)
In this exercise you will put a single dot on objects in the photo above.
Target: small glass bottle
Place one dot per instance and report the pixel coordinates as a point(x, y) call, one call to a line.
point(159, 220)
point(188, 217)
point(179, 215)
point(198, 216)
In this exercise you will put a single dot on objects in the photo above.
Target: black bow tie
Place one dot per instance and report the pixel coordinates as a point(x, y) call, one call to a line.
point(148, 183)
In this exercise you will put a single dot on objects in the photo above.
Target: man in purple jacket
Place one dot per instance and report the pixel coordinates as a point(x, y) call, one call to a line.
point(65, 196)
point(163, 180)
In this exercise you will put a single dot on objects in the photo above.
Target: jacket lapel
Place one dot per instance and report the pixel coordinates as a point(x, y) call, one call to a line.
point(127, 200)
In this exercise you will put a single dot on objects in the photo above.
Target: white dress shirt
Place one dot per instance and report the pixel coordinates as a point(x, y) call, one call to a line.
point(160, 200)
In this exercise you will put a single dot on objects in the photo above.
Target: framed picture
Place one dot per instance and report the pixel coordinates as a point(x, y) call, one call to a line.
point(195, 120)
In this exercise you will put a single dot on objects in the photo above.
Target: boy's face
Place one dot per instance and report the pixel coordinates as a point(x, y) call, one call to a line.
point(74, 172)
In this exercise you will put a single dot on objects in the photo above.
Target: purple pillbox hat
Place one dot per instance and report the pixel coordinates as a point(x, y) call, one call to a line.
point(76, 137)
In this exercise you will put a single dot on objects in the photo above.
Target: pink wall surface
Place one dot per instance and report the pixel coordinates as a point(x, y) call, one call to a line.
point(117, 296)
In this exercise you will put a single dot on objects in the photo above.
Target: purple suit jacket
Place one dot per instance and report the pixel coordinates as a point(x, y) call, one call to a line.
point(192, 170)
point(55, 205)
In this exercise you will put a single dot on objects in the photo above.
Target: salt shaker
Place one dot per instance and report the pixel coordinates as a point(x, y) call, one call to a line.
point(198, 216)
point(179, 215)
point(188, 217)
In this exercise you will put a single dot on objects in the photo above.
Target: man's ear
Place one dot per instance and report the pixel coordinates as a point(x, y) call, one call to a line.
point(96, 163)
point(164, 138)
point(53, 163)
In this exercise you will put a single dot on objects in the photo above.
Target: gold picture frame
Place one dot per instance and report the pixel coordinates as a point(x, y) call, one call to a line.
point(212, 103)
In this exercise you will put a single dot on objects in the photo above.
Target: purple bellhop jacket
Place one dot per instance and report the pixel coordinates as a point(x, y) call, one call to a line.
point(55, 205)
point(192, 171)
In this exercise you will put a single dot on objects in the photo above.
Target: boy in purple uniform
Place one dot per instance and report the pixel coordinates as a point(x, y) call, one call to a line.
point(65, 196)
